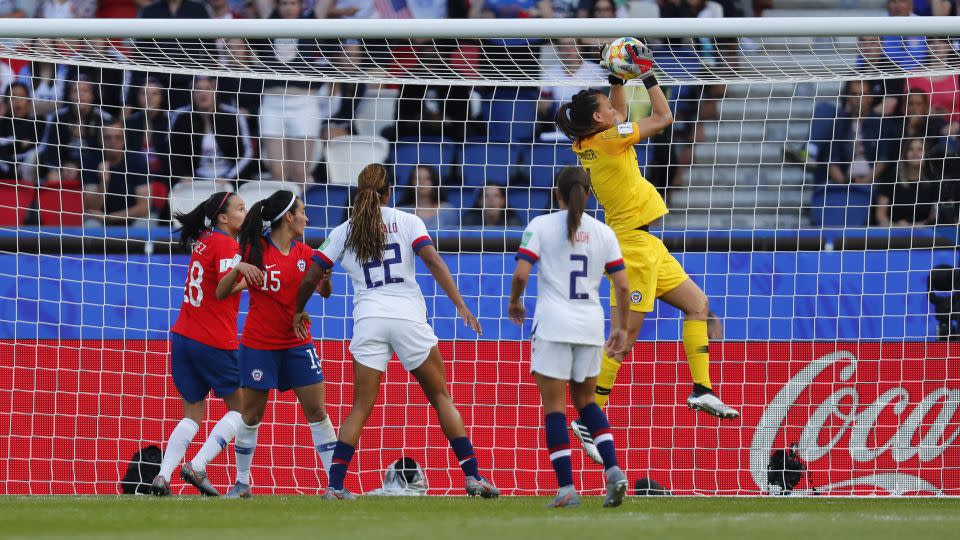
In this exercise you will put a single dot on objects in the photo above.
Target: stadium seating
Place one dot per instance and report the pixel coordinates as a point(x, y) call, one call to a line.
point(326, 205)
point(185, 196)
point(488, 163)
point(253, 192)
point(61, 205)
point(841, 205)
point(546, 160)
point(409, 153)
point(15, 199)
point(347, 156)
point(512, 114)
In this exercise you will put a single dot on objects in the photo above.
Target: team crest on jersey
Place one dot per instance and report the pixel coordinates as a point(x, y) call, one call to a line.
point(257, 375)
point(636, 297)
point(301, 265)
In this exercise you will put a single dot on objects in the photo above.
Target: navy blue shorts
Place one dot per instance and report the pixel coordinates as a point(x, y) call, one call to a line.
point(198, 368)
point(281, 369)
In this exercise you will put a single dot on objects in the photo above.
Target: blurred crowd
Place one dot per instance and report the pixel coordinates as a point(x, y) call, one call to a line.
point(125, 138)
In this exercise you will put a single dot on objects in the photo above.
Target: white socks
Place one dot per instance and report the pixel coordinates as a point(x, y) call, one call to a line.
point(220, 436)
point(244, 446)
point(324, 440)
point(177, 445)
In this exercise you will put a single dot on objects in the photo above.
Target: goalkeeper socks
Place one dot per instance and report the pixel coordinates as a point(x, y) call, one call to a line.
point(220, 436)
point(558, 445)
point(596, 422)
point(464, 451)
point(608, 374)
point(243, 448)
point(695, 343)
point(177, 445)
point(342, 454)
point(324, 440)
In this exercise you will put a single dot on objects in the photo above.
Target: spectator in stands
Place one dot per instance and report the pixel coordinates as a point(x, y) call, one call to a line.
point(292, 113)
point(908, 52)
point(222, 9)
point(68, 9)
point(18, 9)
point(574, 66)
point(47, 82)
point(194, 53)
point(209, 140)
point(427, 200)
point(116, 190)
point(907, 197)
point(509, 58)
point(844, 141)
point(244, 93)
point(916, 123)
point(564, 9)
point(490, 210)
point(72, 132)
point(890, 92)
point(345, 9)
point(148, 127)
point(943, 90)
point(603, 9)
point(940, 8)
point(18, 134)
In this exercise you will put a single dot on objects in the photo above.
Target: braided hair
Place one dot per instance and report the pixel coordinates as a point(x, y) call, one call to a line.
point(367, 236)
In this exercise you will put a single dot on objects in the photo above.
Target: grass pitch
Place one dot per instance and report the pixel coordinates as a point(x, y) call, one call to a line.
point(458, 518)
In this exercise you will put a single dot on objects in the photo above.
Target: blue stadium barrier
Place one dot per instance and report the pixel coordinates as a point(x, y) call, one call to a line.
point(841, 205)
point(845, 295)
point(486, 163)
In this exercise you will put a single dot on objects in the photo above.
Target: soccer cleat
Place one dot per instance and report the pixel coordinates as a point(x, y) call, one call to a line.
point(616, 487)
point(239, 491)
point(198, 479)
point(586, 440)
point(709, 403)
point(481, 486)
point(566, 497)
point(160, 487)
point(338, 495)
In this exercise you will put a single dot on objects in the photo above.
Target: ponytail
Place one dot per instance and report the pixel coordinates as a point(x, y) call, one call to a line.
point(261, 217)
point(204, 216)
point(573, 188)
point(575, 118)
point(367, 236)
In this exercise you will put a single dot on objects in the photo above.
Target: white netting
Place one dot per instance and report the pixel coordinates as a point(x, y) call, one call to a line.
point(798, 203)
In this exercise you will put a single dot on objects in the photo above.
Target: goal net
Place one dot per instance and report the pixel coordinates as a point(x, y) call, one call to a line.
point(810, 176)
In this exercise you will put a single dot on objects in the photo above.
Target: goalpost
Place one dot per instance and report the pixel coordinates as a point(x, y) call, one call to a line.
point(830, 329)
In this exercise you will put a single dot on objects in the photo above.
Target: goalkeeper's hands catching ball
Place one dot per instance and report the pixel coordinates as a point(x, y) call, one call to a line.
point(640, 66)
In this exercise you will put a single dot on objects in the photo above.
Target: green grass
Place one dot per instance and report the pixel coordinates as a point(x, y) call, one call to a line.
point(457, 518)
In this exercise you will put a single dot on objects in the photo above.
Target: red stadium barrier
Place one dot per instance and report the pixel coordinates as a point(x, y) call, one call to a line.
point(873, 418)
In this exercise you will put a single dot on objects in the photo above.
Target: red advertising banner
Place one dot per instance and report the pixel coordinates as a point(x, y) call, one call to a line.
point(867, 418)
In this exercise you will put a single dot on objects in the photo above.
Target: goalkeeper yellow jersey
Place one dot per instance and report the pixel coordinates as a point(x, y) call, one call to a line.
point(628, 199)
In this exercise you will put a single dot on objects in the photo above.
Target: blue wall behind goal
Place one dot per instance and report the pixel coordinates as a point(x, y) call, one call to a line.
point(759, 296)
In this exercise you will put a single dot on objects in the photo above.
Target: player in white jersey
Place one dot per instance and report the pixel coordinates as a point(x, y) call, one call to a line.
point(377, 248)
point(573, 250)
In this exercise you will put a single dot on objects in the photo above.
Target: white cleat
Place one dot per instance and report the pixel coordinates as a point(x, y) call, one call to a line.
point(709, 403)
point(481, 487)
point(338, 495)
point(567, 497)
point(586, 440)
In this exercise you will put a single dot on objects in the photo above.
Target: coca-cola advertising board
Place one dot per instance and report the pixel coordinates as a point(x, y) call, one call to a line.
point(867, 418)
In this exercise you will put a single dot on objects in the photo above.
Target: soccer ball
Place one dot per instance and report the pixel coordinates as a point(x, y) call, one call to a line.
point(627, 58)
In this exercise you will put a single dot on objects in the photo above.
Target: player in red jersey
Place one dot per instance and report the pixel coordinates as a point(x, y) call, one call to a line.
point(204, 338)
point(272, 356)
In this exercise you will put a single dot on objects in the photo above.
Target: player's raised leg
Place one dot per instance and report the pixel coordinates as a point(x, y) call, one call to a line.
point(609, 367)
point(430, 376)
point(593, 418)
point(688, 298)
point(553, 395)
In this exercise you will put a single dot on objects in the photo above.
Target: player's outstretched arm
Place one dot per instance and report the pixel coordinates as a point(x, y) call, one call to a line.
point(660, 115)
point(521, 275)
point(617, 343)
point(440, 272)
point(237, 279)
point(311, 280)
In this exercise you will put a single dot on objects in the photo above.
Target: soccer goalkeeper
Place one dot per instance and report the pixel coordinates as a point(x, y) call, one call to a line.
point(604, 143)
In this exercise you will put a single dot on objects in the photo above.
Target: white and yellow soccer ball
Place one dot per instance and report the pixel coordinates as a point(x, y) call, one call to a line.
point(627, 58)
